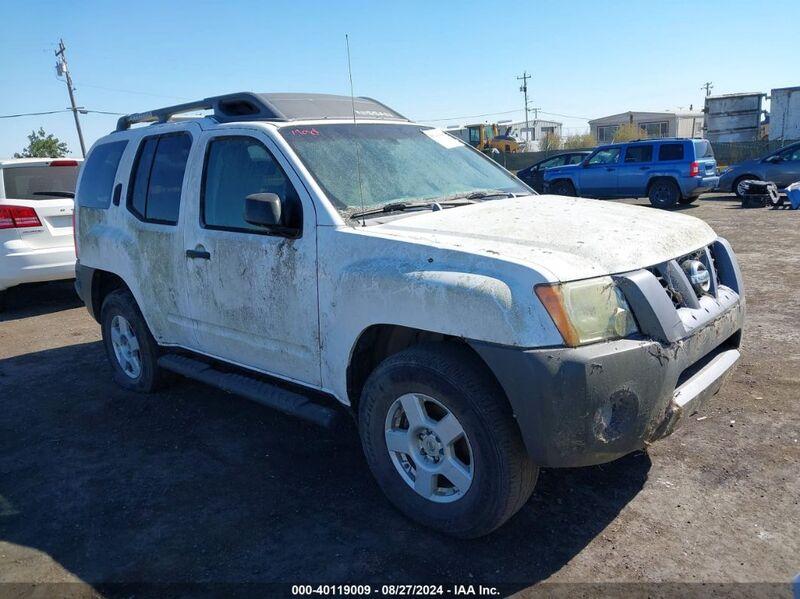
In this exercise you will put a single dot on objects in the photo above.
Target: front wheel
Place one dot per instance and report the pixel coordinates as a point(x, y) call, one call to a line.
point(440, 439)
point(664, 193)
point(563, 188)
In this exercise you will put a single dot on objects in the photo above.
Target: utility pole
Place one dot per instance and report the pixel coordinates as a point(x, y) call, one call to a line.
point(524, 89)
point(708, 86)
point(61, 69)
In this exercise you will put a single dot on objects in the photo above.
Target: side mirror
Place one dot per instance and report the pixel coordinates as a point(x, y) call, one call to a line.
point(263, 209)
point(774, 159)
point(585, 163)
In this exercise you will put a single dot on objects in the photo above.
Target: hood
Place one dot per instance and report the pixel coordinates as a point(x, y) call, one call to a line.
point(563, 168)
point(567, 238)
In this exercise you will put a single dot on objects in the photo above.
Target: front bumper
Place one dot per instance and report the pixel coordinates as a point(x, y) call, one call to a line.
point(20, 264)
point(592, 404)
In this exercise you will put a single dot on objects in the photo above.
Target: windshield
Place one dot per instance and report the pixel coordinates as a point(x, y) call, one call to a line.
point(34, 182)
point(398, 163)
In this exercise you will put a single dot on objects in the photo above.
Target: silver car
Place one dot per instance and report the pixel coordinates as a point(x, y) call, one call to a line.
point(782, 167)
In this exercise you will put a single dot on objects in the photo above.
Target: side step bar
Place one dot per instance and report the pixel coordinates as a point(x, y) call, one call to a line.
point(288, 402)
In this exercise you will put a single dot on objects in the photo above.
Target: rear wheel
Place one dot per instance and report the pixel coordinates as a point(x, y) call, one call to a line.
point(440, 439)
point(664, 193)
point(130, 347)
point(563, 188)
point(686, 201)
point(2, 300)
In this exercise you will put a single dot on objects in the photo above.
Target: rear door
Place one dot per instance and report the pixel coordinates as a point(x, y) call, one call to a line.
point(634, 170)
point(150, 252)
point(41, 187)
point(598, 178)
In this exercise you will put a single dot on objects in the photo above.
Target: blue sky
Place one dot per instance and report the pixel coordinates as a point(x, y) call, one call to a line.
point(429, 60)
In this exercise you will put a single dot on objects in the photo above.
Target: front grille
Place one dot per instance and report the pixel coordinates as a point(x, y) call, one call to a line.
point(675, 297)
point(676, 284)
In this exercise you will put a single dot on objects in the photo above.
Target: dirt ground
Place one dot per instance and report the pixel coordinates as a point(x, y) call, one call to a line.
point(98, 485)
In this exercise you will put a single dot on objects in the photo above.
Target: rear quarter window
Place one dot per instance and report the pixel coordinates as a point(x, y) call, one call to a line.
point(99, 173)
point(703, 149)
point(671, 152)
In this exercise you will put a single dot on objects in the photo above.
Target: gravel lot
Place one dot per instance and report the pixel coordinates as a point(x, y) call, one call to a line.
point(98, 485)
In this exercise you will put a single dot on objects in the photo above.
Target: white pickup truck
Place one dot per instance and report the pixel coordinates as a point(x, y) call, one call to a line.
point(300, 248)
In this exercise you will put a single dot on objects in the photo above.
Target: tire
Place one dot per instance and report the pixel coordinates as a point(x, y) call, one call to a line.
point(735, 186)
point(686, 201)
point(447, 380)
point(664, 193)
point(2, 300)
point(563, 188)
point(124, 329)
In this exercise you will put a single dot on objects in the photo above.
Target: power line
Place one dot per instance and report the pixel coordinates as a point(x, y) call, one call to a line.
point(81, 110)
point(13, 116)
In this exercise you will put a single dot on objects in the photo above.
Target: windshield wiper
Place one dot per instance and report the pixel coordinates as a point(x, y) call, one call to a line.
point(392, 207)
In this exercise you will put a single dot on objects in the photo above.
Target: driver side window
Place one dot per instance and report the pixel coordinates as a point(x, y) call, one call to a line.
point(236, 167)
point(790, 155)
point(607, 156)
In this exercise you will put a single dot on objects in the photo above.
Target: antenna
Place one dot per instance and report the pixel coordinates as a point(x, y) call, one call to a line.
point(358, 154)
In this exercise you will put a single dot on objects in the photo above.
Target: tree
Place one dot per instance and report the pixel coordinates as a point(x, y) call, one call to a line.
point(43, 145)
point(580, 141)
point(550, 142)
point(629, 132)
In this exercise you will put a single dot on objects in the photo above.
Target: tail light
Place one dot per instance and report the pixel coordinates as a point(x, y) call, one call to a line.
point(18, 217)
point(694, 169)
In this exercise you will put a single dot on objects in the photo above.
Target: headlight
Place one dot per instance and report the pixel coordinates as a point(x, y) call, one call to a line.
point(587, 311)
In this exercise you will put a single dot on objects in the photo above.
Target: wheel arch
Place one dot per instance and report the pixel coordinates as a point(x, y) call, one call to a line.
point(655, 178)
point(103, 282)
point(380, 341)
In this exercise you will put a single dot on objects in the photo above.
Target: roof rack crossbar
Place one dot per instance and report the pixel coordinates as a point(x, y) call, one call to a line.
point(162, 115)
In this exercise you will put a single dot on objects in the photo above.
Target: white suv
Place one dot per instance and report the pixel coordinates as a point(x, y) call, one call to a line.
point(36, 237)
point(474, 330)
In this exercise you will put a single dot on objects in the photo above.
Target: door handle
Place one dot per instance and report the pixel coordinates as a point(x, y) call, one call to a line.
point(609, 168)
point(200, 253)
point(644, 168)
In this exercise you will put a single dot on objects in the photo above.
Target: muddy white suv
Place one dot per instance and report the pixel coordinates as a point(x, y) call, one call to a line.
point(298, 248)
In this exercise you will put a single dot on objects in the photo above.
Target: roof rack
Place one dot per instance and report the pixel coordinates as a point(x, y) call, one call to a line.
point(283, 107)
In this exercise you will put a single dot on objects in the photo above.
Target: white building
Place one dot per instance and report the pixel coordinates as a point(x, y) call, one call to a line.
point(533, 133)
point(653, 124)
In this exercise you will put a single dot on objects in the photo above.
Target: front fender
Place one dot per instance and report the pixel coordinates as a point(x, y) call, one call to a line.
point(366, 280)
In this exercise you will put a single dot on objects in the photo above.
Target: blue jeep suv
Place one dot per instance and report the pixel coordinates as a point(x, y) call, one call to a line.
point(667, 171)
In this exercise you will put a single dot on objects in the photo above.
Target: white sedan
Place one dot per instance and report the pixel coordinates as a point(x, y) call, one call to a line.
point(36, 229)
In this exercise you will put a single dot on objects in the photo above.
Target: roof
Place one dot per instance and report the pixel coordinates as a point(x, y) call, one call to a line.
point(646, 114)
point(281, 107)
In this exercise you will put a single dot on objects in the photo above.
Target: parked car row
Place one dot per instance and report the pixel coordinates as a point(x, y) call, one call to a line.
point(667, 171)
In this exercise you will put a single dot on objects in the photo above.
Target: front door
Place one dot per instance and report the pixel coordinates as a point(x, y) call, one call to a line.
point(253, 293)
point(786, 170)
